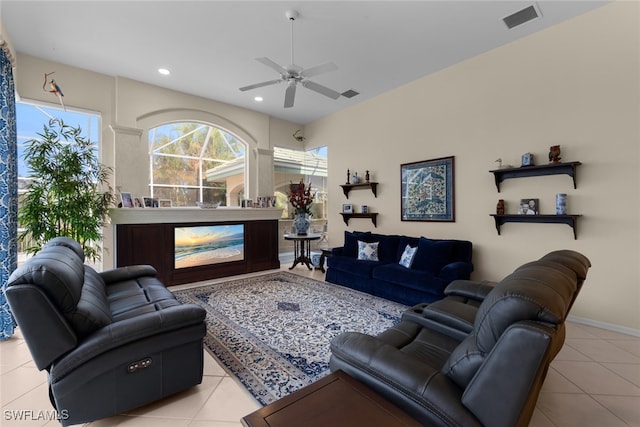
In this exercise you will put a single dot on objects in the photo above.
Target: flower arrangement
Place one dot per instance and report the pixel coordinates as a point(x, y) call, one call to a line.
point(301, 198)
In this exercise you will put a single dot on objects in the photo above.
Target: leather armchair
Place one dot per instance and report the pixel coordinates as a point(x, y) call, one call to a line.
point(490, 376)
point(110, 341)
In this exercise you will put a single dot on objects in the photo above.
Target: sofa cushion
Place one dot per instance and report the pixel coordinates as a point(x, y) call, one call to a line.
point(352, 266)
point(407, 256)
point(420, 280)
point(432, 255)
point(403, 241)
point(351, 242)
point(368, 251)
point(92, 311)
point(58, 271)
point(463, 363)
point(531, 293)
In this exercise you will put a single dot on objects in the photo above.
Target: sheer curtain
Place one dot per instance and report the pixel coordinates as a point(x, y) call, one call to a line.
point(8, 187)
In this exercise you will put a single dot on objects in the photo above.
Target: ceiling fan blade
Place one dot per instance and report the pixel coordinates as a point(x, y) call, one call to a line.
point(257, 85)
point(319, 69)
point(269, 63)
point(323, 90)
point(290, 94)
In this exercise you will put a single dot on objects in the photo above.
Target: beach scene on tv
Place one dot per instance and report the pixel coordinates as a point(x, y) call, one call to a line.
point(211, 244)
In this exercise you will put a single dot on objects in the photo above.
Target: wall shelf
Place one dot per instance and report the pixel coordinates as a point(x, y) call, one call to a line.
point(347, 216)
point(348, 187)
point(568, 168)
point(570, 220)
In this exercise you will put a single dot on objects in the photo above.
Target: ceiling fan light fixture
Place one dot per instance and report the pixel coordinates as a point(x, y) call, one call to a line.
point(293, 74)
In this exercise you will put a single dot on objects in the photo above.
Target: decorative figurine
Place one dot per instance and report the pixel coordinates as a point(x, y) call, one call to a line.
point(554, 154)
point(500, 207)
point(348, 177)
point(297, 137)
point(500, 165)
point(354, 178)
point(55, 89)
point(366, 177)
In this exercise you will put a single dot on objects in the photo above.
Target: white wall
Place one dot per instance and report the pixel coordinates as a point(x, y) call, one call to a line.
point(575, 84)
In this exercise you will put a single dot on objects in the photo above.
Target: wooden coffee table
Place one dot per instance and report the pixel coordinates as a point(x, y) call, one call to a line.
point(336, 400)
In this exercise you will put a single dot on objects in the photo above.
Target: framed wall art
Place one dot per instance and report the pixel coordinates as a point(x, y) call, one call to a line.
point(427, 190)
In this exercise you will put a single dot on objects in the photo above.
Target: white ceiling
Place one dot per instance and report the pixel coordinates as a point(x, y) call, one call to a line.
point(210, 46)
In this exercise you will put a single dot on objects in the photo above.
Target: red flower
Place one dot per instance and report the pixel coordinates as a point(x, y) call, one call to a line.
point(301, 198)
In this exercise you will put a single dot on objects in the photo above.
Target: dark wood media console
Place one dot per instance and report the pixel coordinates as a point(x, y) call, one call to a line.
point(154, 244)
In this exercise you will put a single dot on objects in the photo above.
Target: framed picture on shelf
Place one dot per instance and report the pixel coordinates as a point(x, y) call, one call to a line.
point(529, 207)
point(164, 203)
point(138, 202)
point(427, 190)
point(148, 202)
point(126, 200)
point(347, 208)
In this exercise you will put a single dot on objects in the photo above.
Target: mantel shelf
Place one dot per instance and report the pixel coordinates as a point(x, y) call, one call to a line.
point(568, 168)
point(570, 220)
point(348, 187)
point(347, 216)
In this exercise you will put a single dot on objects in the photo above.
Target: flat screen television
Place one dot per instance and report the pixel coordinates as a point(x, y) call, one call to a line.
point(208, 244)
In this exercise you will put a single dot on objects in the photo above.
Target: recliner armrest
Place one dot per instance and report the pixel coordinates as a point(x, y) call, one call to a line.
point(504, 390)
point(471, 289)
point(50, 335)
point(128, 330)
point(128, 273)
point(405, 380)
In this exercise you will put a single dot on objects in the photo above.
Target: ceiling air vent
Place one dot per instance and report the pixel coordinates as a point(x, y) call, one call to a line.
point(525, 15)
point(350, 93)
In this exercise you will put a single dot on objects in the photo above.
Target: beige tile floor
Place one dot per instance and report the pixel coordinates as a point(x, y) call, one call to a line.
point(593, 382)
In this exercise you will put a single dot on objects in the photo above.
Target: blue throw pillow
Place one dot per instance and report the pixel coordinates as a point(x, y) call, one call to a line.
point(351, 242)
point(407, 256)
point(367, 251)
point(432, 255)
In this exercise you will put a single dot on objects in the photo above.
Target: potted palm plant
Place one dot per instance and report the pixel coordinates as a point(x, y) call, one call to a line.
point(69, 194)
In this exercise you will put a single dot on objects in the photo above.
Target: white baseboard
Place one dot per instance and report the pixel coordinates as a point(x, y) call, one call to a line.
point(604, 325)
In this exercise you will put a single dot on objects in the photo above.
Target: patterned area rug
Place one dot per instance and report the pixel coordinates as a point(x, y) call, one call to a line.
point(273, 331)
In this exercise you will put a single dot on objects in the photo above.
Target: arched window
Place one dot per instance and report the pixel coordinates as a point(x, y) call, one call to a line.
point(194, 162)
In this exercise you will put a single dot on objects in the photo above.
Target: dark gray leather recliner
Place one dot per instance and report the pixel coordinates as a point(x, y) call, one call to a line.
point(110, 341)
point(489, 376)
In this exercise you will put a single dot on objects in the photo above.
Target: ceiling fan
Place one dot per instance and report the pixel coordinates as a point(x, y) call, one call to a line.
point(293, 74)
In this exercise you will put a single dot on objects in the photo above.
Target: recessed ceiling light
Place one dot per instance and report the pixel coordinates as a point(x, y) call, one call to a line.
point(164, 71)
point(258, 99)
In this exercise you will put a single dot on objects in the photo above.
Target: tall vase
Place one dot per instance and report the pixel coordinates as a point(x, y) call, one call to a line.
point(301, 223)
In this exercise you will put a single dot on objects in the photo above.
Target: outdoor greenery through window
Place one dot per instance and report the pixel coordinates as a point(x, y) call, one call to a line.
point(195, 162)
point(30, 121)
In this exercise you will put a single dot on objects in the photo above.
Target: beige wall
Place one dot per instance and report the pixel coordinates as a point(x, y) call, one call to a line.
point(129, 108)
point(575, 84)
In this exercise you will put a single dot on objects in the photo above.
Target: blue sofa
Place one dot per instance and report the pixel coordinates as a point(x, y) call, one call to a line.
point(435, 264)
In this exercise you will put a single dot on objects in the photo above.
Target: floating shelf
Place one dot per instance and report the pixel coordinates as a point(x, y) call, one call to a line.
point(542, 170)
point(570, 220)
point(348, 187)
point(347, 216)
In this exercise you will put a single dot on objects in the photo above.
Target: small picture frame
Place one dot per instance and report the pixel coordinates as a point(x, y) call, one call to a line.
point(529, 207)
point(126, 200)
point(347, 208)
point(164, 203)
point(138, 202)
point(148, 202)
